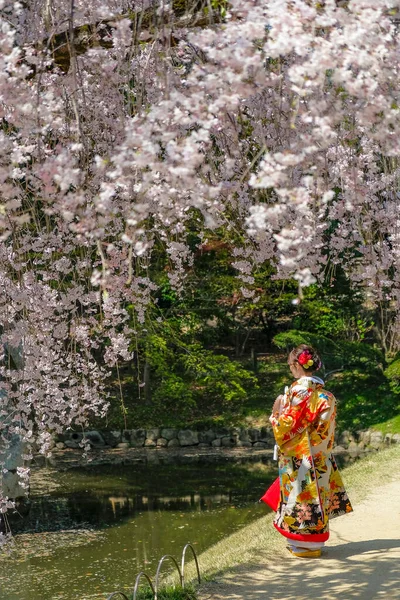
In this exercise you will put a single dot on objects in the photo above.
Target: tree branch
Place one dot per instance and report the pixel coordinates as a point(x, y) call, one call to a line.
point(185, 13)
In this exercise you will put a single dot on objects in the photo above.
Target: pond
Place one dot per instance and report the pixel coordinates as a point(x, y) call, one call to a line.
point(102, 525)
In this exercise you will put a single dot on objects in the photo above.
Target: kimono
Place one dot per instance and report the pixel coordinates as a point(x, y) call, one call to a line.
point(311, 488)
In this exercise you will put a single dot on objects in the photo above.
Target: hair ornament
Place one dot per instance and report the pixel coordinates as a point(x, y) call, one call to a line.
point(305, 359)
point(305, 356)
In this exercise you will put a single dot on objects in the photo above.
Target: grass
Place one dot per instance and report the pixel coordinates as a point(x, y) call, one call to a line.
point(364, 398)
point(168, 593)
point(390, 426)
point(259, 541)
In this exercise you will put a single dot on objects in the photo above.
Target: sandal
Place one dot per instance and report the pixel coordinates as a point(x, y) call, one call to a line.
point(305, 553)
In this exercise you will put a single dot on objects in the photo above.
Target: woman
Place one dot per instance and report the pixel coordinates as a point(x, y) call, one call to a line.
point(311, 488)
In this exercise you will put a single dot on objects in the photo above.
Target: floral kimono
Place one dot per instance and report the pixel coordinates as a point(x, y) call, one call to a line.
point(311, 488)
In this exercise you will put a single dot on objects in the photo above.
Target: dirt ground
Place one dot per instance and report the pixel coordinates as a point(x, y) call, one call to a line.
point(360, 561)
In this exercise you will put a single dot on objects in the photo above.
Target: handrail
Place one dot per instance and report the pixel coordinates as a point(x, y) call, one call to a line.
point(188, 545)
point(154, 588)
point(158, 572)
point(135, 589)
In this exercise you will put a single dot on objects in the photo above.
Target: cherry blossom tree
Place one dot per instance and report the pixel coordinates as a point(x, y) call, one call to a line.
point(123, 122)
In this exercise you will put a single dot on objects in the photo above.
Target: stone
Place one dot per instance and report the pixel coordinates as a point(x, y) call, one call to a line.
point(388, 439)
point(254, 434)
point(206, 437)
point(228, 442)
point(364, 436)
point(266, 434)
point(187, 437)
point(243, 444)
point(126, 435)
point(345, 437)
point(150, 443)
point(353, 448)
point(244, 435)
point(203, 445)
point(123, 445)
point(174, 443)
point(216, 443)
point(396, 438)
point(222, 432)
point(168, 433)
point(74, 440)
point(95, 438)
point(71, 444)
point(153, 434)
point(339, 449)
point(376, 440)
point(60, 445)
point(259, 445)
point(112, 438)
point(162, 442)
point(138, 437)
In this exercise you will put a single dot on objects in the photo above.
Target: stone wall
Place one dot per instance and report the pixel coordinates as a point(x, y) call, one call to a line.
point(166, 437)
point(159, 437)
point(364, 441)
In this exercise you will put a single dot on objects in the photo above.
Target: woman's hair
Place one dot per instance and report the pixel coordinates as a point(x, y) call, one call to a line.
point(307, 357)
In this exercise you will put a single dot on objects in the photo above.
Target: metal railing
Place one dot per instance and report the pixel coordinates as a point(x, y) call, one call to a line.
point(155, 588)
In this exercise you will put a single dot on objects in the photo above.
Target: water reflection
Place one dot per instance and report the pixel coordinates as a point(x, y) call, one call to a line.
point(105, 525)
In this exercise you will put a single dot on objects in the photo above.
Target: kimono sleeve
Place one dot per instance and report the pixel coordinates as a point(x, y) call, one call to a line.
point(294, 419)
point(326, 416)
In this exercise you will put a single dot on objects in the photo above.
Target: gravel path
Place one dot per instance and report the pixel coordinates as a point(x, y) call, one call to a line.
point(361, 561)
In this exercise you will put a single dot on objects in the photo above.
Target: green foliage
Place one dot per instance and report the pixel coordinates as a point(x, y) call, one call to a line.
point(288, 340)
point(354, 373)
point(336, 354)
point(184, 382)
point(217, 381)
point(219, 6)
point(360, 354)
point(273, 375)
point(393, 375)
point(195, 355)
point(189, 381)
point(333, 310)
point(364, 398)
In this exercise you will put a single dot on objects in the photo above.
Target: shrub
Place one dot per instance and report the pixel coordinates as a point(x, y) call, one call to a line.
point(335, 355)
point(393, 375)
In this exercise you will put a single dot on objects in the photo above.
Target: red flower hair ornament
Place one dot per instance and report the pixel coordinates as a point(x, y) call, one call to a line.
point(305, 359)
